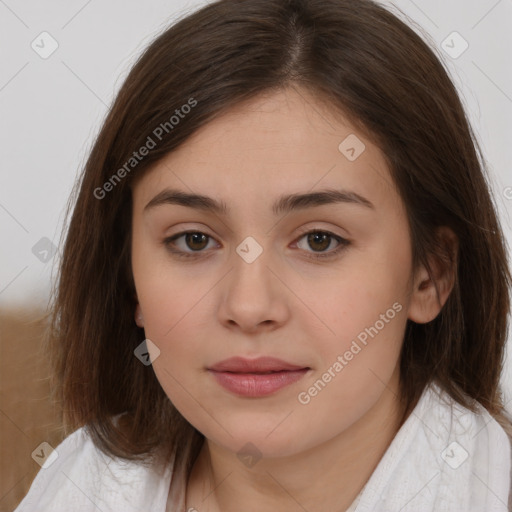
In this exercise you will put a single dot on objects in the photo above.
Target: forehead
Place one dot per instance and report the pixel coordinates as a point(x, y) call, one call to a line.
point(278, 143)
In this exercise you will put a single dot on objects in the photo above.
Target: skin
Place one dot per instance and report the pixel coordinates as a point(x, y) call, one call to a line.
point(284, 304)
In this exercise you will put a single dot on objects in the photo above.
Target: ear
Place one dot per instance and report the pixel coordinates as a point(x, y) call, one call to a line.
point(139, 318)
point(425, 303)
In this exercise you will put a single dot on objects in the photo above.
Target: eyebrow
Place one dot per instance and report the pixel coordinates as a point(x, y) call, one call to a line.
point(284, 204)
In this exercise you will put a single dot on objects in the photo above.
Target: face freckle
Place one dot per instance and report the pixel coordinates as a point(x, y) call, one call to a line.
point(257, 288)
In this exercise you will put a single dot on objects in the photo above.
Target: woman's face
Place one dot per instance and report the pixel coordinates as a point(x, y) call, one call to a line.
point(321, 283)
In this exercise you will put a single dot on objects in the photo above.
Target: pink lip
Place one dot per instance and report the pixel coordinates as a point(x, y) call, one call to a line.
point(259, 365)
point(249, 377)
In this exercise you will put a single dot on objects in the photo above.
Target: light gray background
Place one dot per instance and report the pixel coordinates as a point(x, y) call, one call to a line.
point(51, 108)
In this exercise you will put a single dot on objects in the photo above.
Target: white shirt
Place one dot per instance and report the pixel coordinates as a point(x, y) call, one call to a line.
point(444, 458)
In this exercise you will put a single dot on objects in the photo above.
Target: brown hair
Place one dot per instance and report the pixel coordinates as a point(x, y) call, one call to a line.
point(360, 59)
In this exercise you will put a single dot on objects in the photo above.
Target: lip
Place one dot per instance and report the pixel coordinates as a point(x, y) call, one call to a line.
point(259, 365)
point(250, 377)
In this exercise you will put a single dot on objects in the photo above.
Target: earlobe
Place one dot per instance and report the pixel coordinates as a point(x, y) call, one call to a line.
point(427, 301)
point(139, 318)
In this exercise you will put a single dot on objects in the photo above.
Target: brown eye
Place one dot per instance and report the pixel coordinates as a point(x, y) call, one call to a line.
point(320, 241)
point(191, 242)
point(196, 241)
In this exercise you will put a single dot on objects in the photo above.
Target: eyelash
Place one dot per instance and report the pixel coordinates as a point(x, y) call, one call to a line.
point(343, 244)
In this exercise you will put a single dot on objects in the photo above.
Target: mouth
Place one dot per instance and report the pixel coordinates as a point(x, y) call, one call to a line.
point(257, 377)
point(261, 365)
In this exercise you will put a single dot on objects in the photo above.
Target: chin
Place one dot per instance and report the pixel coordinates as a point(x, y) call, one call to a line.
point(257, 441)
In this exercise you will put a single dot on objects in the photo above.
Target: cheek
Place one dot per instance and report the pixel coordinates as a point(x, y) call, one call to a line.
point(363, 325)
point(356, 371)
point(166, 293)
point(171, 321)
point(362, 355)
point(175, 305)
point(368, 297)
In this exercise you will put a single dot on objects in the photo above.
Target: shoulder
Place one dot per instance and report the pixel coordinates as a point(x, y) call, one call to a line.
point(469, 441)
point(455, 429)
point(78, 476)
point(444, 457)
point(455, 420)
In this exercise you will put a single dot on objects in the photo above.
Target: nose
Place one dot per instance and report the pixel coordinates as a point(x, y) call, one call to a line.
point(253, 296)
